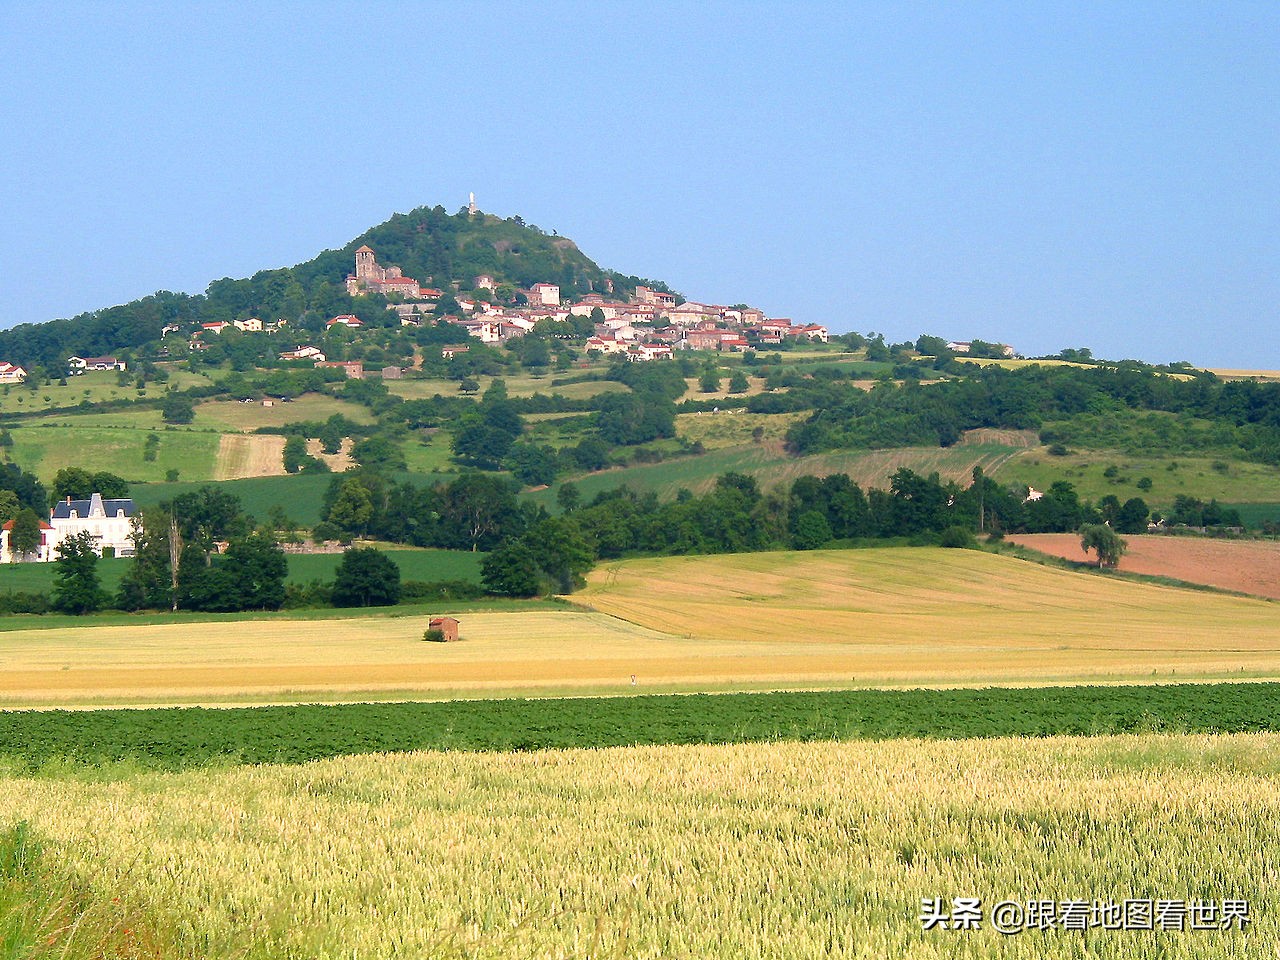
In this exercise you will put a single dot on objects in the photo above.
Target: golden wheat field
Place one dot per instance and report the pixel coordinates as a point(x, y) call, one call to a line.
point(944, 616)
point(747, 851)
point(825, 618)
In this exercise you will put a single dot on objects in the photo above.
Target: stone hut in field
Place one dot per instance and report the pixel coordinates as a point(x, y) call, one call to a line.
point(447, 626)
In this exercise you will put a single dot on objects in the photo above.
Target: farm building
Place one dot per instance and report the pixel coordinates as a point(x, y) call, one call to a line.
point(447, 626)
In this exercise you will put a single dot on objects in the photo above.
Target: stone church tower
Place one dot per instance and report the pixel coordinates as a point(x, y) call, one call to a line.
point(367, 266)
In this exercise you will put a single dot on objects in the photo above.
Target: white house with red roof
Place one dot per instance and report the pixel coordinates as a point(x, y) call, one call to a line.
point(303, 353)
point(43, 552)
point(605, 345)
point(642, 352)
point(346, 320)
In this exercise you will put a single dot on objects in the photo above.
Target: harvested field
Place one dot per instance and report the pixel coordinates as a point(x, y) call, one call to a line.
point(288, 660)
point(338, 462)
point(880, 617)
point(1249, 566)
point(913, 615)
point(242, 455)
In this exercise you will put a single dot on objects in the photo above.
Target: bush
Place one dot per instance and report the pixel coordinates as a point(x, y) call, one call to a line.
point(420, 590)
point(1057, 450)
point(16, 601)
point(433, 636)
point(957, 538)
point(324, 530)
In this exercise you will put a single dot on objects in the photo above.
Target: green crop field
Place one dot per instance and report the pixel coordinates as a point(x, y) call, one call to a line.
point(180, 738)
point(424, 565)
point(299, 495)
point(1254, 514)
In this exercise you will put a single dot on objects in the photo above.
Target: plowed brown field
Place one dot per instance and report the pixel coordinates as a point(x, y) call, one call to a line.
point(1250, 566)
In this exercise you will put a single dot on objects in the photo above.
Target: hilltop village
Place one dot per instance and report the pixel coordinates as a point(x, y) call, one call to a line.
point(651, 325)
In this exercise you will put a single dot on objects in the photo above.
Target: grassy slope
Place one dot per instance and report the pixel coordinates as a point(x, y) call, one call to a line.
point(44, 449)
point(772, 466)
point(1240, 482)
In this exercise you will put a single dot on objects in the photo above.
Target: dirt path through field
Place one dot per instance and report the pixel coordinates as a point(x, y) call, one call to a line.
point(243, 455)
point(1250, 566)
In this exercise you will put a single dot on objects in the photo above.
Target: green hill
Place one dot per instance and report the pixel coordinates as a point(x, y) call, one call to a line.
point(428, 244)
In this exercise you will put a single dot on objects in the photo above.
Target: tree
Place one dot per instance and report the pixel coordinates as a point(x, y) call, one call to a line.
point(511, 571)
point(738, 382)
point(709, 381)
point(478, 511)
point(258, 567)
point(1132, 517)
point(1108, 544)
point(24, 538)
point(352, 508)
point(812, 530)
point(9, 505)
point(568, 497)
point(177, 409)
point(366, 578)
point(80, 484)
point(77, 589)
point(295, 453)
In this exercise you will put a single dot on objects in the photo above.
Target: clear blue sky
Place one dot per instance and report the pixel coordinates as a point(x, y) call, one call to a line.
point(1099, 175)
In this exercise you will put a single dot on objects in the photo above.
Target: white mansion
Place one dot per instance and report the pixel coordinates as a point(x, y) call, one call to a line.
point(109, 522)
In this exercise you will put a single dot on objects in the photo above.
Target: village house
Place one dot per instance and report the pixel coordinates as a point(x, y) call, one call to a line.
point(811, 331)
point(252, 325)
point(965, 346)
point(545, 294)
point(642, 352)
point(346, 320)
point(77, 365)
point(605, 345)
point(43, 552)
point(450, 351)
point(656, 298)
point(303, 353)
